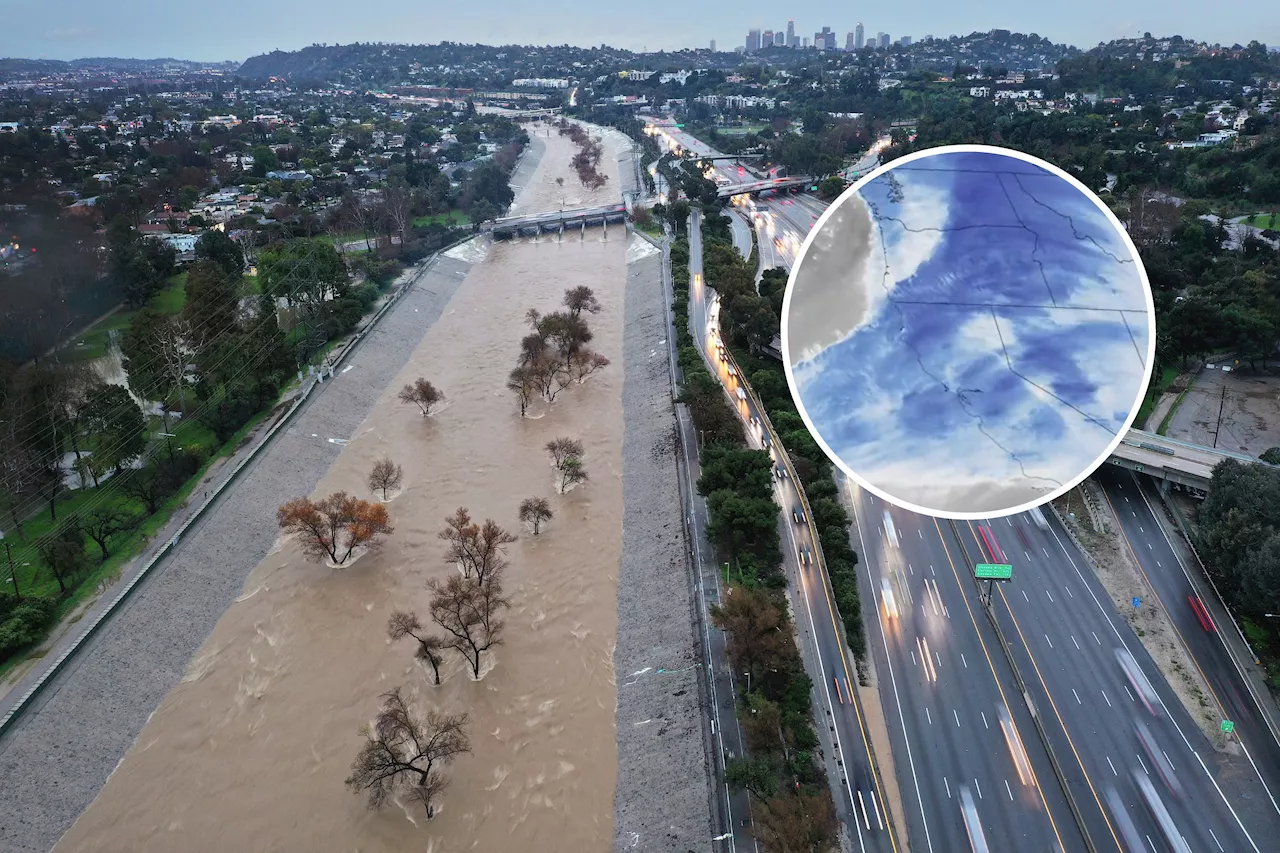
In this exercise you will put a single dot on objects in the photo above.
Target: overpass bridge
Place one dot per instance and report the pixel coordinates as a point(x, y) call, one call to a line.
point(753, 187)
point(1171, 461)
point(555, 222)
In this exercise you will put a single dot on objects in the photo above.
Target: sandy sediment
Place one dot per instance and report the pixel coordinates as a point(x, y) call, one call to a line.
point(662, 801)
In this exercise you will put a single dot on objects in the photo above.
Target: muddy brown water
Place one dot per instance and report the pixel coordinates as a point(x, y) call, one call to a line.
point(250, 751)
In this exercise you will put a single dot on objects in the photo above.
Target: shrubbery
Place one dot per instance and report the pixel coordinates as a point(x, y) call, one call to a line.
point(23, 621)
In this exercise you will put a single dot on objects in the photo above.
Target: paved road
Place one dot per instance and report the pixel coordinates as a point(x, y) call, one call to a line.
point(1064, 632)
point(944, 683)
point(1134, 503)
point(845, 742)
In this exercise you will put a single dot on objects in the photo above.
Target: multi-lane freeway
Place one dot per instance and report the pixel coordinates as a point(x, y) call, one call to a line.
point(1130, 770)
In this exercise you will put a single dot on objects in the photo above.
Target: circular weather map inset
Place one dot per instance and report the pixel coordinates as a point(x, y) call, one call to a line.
point(968, 332)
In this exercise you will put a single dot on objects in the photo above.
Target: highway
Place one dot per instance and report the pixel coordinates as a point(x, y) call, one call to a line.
point(1062, 633)
point(944, 682)
point(845, 741)
point(1134, 503)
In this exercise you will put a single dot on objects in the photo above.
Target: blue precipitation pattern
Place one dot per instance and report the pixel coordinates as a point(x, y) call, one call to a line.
point(1004, 341)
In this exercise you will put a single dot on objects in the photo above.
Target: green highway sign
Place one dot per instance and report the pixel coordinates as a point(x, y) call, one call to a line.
point(1228, 727)
point(993, 571)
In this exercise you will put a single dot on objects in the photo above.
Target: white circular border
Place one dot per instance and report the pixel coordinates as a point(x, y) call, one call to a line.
point(854, 190)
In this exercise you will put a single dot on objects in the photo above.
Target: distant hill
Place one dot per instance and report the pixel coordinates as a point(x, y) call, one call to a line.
point(106, 65)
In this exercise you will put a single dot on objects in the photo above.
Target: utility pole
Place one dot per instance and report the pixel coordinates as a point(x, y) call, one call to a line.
point(13, 577)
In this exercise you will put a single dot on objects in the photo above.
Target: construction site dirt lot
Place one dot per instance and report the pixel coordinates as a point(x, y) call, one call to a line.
point(1238, 411)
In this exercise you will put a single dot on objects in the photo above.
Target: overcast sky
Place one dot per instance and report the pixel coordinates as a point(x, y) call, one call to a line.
point(237, 29)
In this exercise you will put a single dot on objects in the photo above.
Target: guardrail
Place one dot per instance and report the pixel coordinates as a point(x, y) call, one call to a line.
point(24, 702)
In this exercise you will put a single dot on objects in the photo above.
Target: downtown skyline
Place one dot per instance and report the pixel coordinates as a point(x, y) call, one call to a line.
point(236, 29)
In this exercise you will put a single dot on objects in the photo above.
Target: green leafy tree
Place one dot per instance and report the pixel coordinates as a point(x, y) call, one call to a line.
point(117, 425)
point(305, 272)
point(214, 245)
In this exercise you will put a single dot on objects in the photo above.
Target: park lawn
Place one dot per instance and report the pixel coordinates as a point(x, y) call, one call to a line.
point(1158, 384)
point(453, 217)
point(740, 131)
point(95, 341)
point(36, 579)
point(1264, 220)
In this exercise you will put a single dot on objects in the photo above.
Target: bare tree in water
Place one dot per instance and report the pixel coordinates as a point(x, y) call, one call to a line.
point(479, 550)
point(468, 611)
point(406, 752)
point(385, 476)
point(422, 393)
point(406, 624)
point(535, 511)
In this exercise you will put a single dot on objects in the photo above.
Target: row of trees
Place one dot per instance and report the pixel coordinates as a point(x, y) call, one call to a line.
point(1239, 524)
point(794, 810)
point(750, 321)
point(554, 354)
point(587, 161)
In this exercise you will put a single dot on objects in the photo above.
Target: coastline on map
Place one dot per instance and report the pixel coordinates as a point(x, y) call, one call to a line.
point(832, 293)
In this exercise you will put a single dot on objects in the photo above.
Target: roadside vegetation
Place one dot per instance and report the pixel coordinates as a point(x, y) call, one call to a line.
point(1239, 533)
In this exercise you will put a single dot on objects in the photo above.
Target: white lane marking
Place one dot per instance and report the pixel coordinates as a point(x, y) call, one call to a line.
point(864, 811)
point(963, 661)
point(1073, 639)
point(1077, 695)
point(984, 719)
point(1047, 640)
point(913, 657)
point(1046, 592)
point(1028, 556)
point(1126, 690)
point(1158, 564)
point(1177, 728)
point(948, 784)
point(1024, 595)
point(957, 716)
point(1140, 530)
point(979, 787)
point(1104, 696)
point(1114, 772)
point(875, 807)
point(1215, 839)
point(1046, 551)
point(1069, 592)
point(1148, 837)
point(931, 571)
point(1143, 764)
point(1247, 682)
point(928, 716)
point(1166, 758)
point(1010, 790)
point(1095, 637)
point(919, 532)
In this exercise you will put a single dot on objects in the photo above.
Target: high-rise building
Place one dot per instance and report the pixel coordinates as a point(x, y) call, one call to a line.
point(779, 38)
point(825, 40)
point(767, 39)
point(859, 36)
point(879, 38)
point(804, 42)
point(848, 41)
point(791, 34)
point(713, 45)
point(906, 41)
point(753, 41)
point(884, 40)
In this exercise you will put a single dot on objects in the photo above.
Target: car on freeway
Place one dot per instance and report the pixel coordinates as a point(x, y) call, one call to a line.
point(1157, 758)
point(1124, 822)
point(754, 421)
point(1021, 761)
point(889, 530)
point(731, 371)
point(972, 825)
point(797, 512)
point(782, 473)
point(742, 395)
point(889, 599)
point(805, 558)
point(1172, 836)
point(1143, 690)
